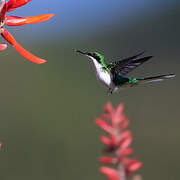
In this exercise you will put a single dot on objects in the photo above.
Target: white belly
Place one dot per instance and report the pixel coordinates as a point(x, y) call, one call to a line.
point(104, 77)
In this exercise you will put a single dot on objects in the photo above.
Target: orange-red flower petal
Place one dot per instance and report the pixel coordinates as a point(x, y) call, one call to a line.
point(13, 4)
point(3, 12)
point(0, 145)
point(117, 117)
point(108, 108)
point(132, 165)
point(111, 173)
point(10, 3)
point(8, 37)
point(108, 160)
point(3, 47)
point(126, 140)
point(124, 124)
point(105, 140)
point(104, 125)
point(125, 152)
point(18, 21)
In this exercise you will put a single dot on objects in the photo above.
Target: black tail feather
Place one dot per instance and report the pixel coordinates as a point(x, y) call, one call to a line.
point(155, 78)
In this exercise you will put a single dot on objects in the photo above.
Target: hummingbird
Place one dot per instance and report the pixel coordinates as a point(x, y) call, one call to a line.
point(114, 75)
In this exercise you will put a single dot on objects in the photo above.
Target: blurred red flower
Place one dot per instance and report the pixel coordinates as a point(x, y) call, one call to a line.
point(114, 122)
point(18, 21)
point(0, 145)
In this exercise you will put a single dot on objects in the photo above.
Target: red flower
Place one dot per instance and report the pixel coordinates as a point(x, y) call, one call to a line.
point(114, 123)
point(0, 145)
point(111, 173)
point(18, 21)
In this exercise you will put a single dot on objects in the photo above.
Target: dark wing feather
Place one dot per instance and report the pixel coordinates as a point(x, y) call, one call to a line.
point(124, 61)
point(124, 66)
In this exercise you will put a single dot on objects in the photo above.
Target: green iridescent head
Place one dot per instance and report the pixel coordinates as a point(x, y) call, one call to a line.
point(95, 55)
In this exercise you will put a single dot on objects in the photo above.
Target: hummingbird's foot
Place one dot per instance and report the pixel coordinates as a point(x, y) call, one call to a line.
point(110, 91)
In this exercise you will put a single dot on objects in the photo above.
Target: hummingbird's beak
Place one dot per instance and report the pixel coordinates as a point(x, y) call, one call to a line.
point(81, 52)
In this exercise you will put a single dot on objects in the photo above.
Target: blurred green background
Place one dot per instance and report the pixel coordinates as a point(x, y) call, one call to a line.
point(47, 111)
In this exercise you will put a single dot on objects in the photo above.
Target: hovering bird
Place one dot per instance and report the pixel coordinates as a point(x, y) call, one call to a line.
point(113, 75)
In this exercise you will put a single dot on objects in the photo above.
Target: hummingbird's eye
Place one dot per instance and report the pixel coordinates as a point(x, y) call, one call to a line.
point(92, 55)
point(95, 55)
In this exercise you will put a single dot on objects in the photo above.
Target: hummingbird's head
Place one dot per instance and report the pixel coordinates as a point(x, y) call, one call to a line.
point(92, 55)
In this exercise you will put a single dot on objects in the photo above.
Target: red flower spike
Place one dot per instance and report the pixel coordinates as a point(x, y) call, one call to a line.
point(118, 143)
point(8, 37)
point(114, 139)
point(117, 118)
point(3, 47)
point(13, 4)
point(125, 135)
point(108, 160)
point(112, 174)
point(124, 124)
point(19, 21)
point(126, 142)
point(106, 140)
point(125, 152)
point(108, 108)
point(132, 164)
point(1, 145)
point(103, 125)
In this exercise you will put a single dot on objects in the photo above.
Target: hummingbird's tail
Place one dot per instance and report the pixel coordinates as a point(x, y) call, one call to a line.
point(155, 78)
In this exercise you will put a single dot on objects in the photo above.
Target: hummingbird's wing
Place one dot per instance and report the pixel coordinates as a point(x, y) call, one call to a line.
point(124, 66)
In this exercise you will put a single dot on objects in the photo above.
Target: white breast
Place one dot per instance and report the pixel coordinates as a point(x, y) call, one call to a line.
point(102, 75)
